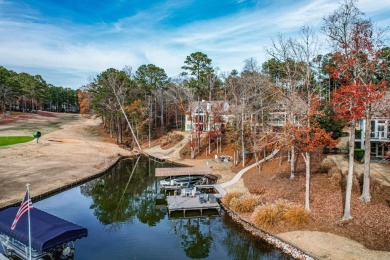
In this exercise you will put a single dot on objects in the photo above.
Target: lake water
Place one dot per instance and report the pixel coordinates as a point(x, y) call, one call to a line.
point(124, 222)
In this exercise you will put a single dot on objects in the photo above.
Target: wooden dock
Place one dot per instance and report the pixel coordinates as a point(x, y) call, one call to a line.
point(180, 203)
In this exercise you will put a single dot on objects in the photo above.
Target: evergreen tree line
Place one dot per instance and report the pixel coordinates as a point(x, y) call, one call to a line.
point(25, 92)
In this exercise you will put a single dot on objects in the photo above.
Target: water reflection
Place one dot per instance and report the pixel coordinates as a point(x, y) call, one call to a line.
point(124, 194)
point(194, 235)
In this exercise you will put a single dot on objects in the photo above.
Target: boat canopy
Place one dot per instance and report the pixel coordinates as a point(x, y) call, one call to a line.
point(47, 231)
point(178, 171)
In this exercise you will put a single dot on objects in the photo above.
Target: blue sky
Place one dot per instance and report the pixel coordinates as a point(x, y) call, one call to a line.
point(68, 42)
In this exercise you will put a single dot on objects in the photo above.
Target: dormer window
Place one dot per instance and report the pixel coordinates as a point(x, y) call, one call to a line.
point(200, 111)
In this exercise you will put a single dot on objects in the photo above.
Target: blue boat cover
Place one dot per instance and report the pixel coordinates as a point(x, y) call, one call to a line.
point(47, 231)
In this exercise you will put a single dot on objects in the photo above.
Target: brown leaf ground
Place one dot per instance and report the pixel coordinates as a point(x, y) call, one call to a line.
point(369, 226)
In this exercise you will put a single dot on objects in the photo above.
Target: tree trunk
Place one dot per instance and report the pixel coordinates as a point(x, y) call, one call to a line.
point(292, 163)
point(307, 190)
point(348, 192)
point(366, 197)
point(162, 110)
point(242, 136)
point(155, 109)
point(120, 130)
point(257, 162)
point(111, 126)
point(192, 146)
point(150, 118)
point(176, 115)
point(217, 144)
point(280, 158)
point(210, 144)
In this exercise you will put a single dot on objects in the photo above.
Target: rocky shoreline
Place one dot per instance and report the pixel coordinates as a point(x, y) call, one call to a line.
point(271, 239)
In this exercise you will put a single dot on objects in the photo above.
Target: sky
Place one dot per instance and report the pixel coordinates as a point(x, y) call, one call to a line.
point(69, 42)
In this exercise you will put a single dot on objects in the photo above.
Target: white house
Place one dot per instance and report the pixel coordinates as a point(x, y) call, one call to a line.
point(380, 134)
point(278, 113)
point(203, 113)
point(380, 128)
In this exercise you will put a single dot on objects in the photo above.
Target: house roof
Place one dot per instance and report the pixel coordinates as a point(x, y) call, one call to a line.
point(208, 106)
point(294, 102)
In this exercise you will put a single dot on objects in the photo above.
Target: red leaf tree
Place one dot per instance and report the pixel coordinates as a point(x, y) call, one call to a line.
point(356, 61)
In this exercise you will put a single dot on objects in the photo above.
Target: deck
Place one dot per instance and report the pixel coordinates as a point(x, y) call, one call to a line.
point(188, 203)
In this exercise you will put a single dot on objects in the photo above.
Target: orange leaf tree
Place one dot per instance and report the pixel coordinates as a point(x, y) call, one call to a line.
point(84, 101)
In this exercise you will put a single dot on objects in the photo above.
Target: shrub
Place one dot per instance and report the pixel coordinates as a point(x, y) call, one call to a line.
point(282, 206)
point(282, 210)
point(245, 203)
point(359, 154)
point(296, 215)
point(229, 196)
point(266, 216)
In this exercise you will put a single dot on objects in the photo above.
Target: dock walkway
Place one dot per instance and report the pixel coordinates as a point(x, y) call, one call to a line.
point(240, 173)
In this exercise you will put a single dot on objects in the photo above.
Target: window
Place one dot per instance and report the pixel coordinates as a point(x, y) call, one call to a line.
point(373, 128)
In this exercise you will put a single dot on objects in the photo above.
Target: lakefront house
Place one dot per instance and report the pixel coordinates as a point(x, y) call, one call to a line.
point(208, 115)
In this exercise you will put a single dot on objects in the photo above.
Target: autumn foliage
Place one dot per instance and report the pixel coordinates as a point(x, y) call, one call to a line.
point(84, 101)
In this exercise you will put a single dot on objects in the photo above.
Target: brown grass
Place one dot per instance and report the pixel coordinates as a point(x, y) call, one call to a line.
point(269, 215)
point(245, 204)
point(296, 216)
point(230, 196)
point(266, 216)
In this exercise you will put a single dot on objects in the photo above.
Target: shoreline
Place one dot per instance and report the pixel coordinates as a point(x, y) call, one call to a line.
point(70, 185)
point(272, 239)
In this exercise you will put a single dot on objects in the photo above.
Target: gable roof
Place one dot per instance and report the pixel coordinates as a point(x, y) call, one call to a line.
point(208, 106)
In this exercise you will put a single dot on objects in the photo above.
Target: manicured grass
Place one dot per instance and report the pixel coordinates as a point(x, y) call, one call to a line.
point(10, 140)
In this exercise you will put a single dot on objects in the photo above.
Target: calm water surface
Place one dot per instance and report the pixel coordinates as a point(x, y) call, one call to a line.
point(126, 219)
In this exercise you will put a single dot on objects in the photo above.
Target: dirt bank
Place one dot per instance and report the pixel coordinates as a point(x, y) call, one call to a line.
point(69, 150)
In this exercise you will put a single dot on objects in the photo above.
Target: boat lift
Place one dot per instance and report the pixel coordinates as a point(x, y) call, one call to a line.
point(51, 237)
point(181, 176)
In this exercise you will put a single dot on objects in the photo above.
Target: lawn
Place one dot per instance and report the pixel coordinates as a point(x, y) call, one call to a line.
point(10, 140)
